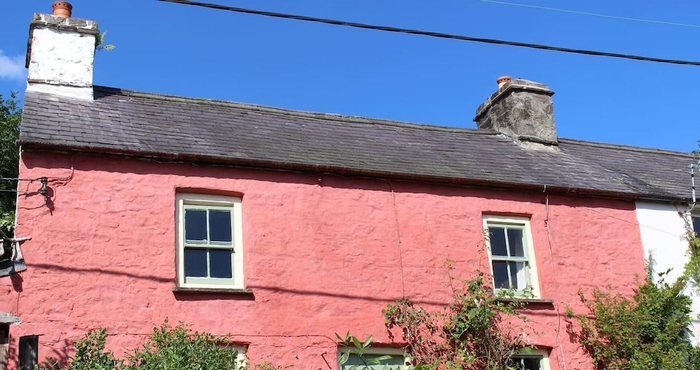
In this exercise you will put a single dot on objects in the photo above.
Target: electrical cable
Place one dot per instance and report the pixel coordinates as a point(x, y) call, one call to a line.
point(19, 179)
point(551, 254)
point(640, 225)
point(398, 238)
point(632, 19)
point(441, 35)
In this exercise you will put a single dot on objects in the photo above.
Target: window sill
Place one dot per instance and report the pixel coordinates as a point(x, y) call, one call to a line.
point(529, 301)
point(233, 291)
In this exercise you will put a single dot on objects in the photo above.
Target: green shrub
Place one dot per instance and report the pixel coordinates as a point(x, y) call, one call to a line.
point(647, 331)
point(180, 348)
point(167, 348)
point(477, 330)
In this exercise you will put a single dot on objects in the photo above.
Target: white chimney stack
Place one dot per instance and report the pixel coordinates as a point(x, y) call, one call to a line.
point(60, 53)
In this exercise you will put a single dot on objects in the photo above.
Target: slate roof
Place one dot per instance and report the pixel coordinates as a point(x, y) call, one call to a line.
point(206, 131)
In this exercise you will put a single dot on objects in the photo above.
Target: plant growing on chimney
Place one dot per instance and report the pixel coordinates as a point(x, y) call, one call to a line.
point(101, 43)
point(478, 330)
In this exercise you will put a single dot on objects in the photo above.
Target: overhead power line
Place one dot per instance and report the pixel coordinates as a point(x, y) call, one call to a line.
point(591, 14)
point(433, 34)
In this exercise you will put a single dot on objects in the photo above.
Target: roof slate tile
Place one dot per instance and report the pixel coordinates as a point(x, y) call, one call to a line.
point(220, 132)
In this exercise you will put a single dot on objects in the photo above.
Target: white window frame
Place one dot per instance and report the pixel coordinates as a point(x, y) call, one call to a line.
point(537, 352)
point(531, 261)
point(211, 202)
point(693, 217)
point(241, 357)
point(390, 351)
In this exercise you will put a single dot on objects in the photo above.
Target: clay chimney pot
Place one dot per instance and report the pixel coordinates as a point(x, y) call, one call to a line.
point(62, 9)
point(502, 80)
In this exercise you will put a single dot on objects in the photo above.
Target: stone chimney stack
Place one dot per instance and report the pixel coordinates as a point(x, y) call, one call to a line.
point(61, 52)
point(521, 109)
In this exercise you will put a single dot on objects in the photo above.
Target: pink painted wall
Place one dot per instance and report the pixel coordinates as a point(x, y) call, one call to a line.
point(321, 255)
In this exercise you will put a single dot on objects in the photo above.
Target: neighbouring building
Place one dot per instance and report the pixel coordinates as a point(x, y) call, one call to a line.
point(283, 228)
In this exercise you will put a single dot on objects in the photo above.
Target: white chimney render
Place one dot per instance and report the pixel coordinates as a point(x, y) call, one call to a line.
point(60, 55)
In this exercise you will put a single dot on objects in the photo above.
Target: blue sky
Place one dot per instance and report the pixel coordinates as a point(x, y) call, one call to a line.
point(182, 50)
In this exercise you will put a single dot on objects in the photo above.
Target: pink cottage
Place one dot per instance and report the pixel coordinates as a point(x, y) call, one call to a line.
point(283, 228)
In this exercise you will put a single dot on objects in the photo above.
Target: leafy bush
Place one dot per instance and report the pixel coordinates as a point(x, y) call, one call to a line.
point(179, 348)
point(166, 348)
point(477, 330)
point(90, 354)
point(358, 348)
point(648, 331)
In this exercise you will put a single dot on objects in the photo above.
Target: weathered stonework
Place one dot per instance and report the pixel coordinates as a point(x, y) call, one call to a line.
point(521, 109)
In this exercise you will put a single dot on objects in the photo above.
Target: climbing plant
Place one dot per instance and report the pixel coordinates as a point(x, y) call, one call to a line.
point(479, 329)
point(692, 267)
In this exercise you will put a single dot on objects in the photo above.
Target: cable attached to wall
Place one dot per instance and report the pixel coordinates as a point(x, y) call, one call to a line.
point(551, 254)
point(398, 238)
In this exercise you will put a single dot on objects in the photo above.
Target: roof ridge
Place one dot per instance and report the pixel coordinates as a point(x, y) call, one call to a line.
point(295, 112)
point(626, 147)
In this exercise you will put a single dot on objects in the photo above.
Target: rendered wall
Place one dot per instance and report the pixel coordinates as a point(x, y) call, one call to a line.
point(323, 255)
point(663, 230)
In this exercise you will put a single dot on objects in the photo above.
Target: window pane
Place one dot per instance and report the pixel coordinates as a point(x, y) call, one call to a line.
point(220, 226)
point(500, 275)
point(195, 225)
point(515, 242)
point(527, 362)
point(531, 363)
point(220, 263)
point(195, 262)
point(498, 241)
point(518, 275)
point(394, 363)
point(696, 225)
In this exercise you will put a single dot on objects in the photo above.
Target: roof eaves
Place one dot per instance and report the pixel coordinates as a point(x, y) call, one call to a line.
point(348, 171)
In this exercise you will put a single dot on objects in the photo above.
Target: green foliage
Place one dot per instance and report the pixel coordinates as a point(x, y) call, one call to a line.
point(90, 354)
point(180, 348)
point(167, 348)
point(692, 267)
point(10, 117)
point(648, 331)
point(101, 43)
point(270, 366)
point(359, 348)
point(477, 330)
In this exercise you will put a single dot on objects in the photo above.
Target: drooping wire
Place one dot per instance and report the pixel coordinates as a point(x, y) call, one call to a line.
point(18, 179)
point(441, 35)
point(632, 19)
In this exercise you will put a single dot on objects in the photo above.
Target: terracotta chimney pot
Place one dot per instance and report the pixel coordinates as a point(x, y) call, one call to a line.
point(502, 80)
point(62, 9)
